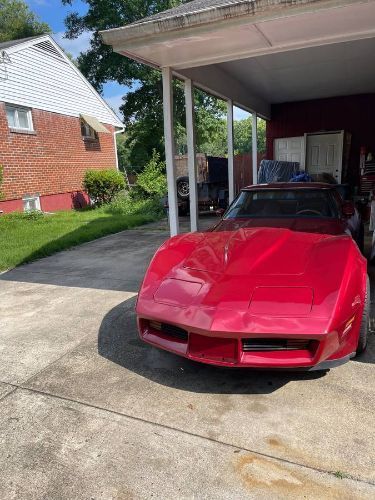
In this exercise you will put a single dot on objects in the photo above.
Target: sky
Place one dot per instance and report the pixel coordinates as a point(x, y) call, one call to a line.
point(54, 13)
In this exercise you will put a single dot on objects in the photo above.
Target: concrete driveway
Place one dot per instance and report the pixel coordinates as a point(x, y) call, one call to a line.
point(88, 411)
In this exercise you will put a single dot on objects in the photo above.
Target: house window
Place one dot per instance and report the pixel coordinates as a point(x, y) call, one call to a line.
point(31, 202)
point(87, 131)
point(19, 118)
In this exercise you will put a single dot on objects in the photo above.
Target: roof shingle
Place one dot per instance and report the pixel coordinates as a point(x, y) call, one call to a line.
point(189, 8)
point(11, 43)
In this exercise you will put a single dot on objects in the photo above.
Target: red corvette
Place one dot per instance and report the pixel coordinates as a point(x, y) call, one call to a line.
point(279, 282)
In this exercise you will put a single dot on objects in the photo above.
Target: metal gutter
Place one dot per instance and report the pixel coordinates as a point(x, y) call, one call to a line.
point(253, 10)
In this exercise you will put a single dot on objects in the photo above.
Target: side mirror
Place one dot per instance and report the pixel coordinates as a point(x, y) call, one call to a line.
point(220, 212)
point(348, 208)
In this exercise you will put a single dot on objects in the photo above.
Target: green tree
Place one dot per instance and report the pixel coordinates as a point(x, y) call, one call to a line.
point(122, 153)
point(152, 180)
point(143, 118)
point(18, 21)
point(99, 63)
point(142, 108)
point(243, 135)
point(143, 105)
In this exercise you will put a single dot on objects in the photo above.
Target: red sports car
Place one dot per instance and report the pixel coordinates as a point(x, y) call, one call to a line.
point(279, 282)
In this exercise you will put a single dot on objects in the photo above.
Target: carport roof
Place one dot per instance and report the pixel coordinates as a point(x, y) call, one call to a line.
point(260, 52)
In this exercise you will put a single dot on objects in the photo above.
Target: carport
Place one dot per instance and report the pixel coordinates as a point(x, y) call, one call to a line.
point(258, 55)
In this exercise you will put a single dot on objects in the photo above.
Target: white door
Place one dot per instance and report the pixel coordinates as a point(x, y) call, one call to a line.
point(324, 154)
point(290, 149)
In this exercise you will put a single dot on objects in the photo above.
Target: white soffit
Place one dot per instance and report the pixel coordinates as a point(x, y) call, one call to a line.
point(313, 73)
point(251, 36)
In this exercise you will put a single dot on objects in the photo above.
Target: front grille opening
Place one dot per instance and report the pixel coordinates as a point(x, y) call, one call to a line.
point(275, 344)
point(170, 330)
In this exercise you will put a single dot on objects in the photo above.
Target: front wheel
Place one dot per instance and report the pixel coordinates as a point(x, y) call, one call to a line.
point(364, 328)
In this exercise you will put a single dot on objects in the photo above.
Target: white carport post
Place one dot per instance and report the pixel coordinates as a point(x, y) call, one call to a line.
point(192, 158)
point(230, 150)
point(169, 150)
point(254, 136)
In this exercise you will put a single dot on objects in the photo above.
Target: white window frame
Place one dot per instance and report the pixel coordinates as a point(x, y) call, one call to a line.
point(27, 198)
point(13, 107)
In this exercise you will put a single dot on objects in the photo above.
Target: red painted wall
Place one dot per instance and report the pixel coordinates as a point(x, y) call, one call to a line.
point(50, 202)
point(63, 201)
point(51, 161)
point(355, 114)
point(11, 206)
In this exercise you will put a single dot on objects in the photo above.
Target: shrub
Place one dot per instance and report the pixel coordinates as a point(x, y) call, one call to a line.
point(125, 204)
point(102, 185)
point(152, 180)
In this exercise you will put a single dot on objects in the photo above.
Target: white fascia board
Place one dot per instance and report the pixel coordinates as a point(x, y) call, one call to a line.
point(30, 43)
point(214, 18)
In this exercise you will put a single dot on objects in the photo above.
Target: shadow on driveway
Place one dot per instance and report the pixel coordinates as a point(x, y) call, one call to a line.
point(119, 342)
point(114, 262)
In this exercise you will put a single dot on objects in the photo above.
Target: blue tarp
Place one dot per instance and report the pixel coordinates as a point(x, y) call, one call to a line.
point(277, 171)
point(301, 177)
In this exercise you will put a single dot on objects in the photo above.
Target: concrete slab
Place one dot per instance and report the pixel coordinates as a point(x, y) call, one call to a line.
point(5, 389)
point(310, 419)
point(98, 414)
point(39, 323)
point(205, 222)
point(59, 449)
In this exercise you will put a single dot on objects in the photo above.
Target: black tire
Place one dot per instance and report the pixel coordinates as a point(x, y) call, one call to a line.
point(363, 331)
point(183, 190)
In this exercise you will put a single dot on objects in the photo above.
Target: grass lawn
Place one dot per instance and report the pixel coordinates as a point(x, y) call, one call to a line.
point(26, 239)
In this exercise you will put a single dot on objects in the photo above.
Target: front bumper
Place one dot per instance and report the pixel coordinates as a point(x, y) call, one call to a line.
point(229, 350)
point(332, 363)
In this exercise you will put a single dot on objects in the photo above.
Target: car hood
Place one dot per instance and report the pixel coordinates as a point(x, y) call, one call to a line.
point(255, 251)
point(250, 273)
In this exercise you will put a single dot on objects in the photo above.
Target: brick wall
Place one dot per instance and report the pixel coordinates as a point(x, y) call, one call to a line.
point(54, 159)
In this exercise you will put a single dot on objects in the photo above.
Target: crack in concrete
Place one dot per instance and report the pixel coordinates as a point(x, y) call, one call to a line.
point(191, 434)
point(14, 388)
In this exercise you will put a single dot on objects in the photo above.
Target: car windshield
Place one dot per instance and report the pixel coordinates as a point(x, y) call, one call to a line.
point(276, 203)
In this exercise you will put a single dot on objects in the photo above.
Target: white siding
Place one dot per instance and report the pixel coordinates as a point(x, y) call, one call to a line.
point(37, 79)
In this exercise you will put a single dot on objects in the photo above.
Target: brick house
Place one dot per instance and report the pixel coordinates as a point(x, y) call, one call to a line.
point(53, 127)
